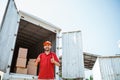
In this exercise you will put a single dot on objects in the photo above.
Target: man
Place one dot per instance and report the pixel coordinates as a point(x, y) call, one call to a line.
point(47, 61)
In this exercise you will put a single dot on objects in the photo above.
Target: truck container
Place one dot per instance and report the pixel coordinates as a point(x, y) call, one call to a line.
point(22, 30)
point(107, 68)
point(72, 56)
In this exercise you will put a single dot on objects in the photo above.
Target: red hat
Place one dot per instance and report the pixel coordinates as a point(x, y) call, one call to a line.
point(47, 43)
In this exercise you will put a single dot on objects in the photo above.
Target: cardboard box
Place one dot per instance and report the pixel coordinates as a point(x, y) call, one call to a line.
point(32, 69)
point(32, 60)
point(21, 70)
point(31, 63)
point(21, 62)
point(22, 53)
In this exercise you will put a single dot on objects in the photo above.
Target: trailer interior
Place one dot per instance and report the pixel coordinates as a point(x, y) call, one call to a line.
point(31, 36)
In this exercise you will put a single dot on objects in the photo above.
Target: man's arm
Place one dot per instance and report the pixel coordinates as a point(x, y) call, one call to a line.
point(37, 60)
point(55, 62)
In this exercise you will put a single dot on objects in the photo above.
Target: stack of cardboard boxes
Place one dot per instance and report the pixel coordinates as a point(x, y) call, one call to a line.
point(21, 61)
point(32, 69)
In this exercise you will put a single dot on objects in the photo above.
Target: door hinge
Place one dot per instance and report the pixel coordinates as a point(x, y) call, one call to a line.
point(59, 47)
point(15, 34)
point(12, 49)
point(8, 66)
point(59, 37)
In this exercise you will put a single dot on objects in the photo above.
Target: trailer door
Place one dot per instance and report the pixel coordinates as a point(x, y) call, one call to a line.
point(8, 35)
point(72, 55)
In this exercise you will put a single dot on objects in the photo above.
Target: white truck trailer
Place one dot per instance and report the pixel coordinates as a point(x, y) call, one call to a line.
point(19, 29)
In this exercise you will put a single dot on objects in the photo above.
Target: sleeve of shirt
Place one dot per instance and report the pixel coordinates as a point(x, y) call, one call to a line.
point(56, 58)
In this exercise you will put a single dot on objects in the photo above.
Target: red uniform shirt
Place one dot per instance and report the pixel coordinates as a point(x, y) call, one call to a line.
point(46, 70)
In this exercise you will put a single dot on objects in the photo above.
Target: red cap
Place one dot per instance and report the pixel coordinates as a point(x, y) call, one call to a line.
point(47, 43)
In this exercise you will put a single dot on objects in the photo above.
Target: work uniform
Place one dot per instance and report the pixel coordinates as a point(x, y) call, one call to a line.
point(46, 68)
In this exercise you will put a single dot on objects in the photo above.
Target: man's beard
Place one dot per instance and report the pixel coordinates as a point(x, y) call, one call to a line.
point(47, 49)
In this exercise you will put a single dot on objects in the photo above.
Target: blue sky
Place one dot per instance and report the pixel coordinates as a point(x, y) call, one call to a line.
point(99, 20)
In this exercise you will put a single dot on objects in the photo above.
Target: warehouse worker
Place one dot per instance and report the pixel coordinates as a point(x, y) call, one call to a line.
point(47, 61)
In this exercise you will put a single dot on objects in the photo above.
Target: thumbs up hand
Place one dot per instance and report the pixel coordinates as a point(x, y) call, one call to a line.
point(52, 60)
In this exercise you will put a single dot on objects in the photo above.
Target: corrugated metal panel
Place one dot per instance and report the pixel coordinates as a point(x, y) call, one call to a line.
point(8, 36)
point(109, 68)
point(57, 45)
point(72, 56)
point(96, 71)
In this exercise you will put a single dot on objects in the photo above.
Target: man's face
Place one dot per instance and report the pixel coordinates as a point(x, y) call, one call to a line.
point(47, 47)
